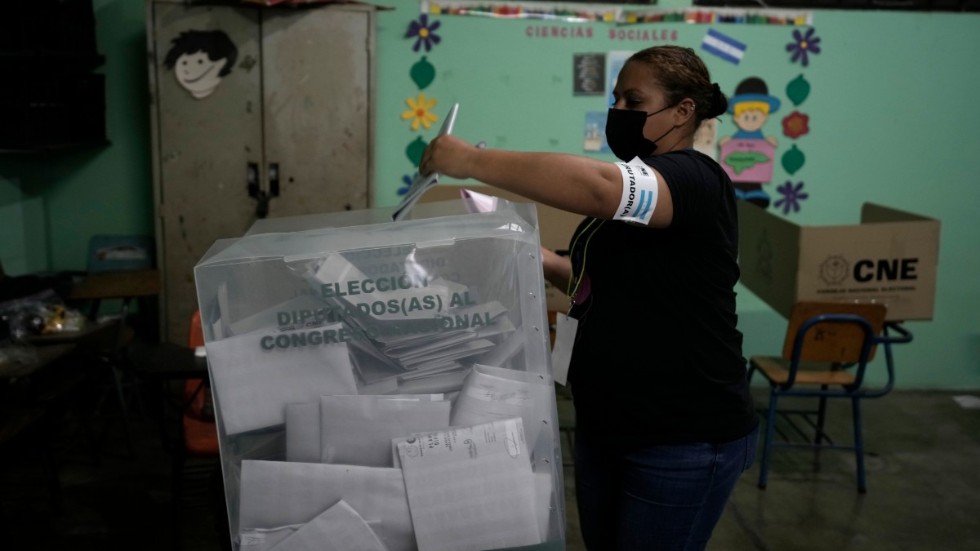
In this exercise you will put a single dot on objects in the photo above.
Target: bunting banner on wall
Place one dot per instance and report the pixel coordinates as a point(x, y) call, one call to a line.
point(574, 12)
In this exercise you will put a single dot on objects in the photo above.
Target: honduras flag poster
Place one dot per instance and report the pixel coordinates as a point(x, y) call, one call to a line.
point(725, 47)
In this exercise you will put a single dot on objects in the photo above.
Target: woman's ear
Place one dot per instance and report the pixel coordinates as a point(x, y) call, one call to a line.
point(685, 111)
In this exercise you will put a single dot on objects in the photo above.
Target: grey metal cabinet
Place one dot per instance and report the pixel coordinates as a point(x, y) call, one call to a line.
point(255, 112)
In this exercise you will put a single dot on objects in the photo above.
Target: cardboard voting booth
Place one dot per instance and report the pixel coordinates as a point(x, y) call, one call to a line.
point(385, 385)
point(890, 257)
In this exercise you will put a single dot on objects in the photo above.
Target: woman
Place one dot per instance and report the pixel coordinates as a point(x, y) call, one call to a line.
point(664, 421)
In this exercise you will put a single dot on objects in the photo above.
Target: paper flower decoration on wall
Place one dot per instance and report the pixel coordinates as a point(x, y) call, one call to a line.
point(415, 149)
point(797, 90)
point(424, 32)
point(793, 160)
point(796, 124)
point(420, 112)
point(792, 196)
point(803, 45)
point(406, 184)
point(422, 73)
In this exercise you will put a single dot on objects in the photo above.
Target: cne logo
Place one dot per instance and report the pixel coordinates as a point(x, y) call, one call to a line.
point(834, 270)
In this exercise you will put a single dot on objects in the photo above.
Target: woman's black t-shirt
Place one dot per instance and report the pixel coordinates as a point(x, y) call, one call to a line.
point(657, 357)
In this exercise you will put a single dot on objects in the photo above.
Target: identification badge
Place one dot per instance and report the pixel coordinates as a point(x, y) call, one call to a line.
point(561, 353)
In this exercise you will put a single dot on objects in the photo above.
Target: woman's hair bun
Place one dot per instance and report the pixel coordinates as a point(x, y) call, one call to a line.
point(719, 103)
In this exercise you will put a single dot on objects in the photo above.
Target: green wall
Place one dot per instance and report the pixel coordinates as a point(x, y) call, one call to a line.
point(892, 120)
point(51, 203)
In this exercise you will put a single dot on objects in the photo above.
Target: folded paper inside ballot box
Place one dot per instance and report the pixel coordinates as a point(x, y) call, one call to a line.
point(330, 340)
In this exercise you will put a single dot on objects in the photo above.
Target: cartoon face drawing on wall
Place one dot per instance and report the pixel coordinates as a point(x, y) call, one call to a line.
point(750, 117)
point(200, 59)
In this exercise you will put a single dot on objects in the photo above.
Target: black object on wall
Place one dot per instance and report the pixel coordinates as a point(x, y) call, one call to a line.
point(51, 97)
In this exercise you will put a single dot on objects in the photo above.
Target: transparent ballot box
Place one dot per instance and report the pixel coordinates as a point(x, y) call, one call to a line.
point(385, 385)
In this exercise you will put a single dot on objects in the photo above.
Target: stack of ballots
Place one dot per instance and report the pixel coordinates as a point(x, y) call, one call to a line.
point(385, 386)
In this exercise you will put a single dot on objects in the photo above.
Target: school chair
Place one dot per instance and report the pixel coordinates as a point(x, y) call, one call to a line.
point(826, 352)
point(118, 275)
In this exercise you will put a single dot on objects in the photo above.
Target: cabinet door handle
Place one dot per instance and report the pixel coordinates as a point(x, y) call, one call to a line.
point(252, 179)
point(273, 179)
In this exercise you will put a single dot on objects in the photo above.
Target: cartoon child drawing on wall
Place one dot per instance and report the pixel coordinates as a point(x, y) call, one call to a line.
point(706, 137)
point(747, 156)
point(200, 59)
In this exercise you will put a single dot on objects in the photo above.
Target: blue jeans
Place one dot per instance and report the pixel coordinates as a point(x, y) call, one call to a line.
point(661, 498)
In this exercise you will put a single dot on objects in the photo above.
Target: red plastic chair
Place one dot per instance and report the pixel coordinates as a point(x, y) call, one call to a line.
point(200, 434)
point(196, 455)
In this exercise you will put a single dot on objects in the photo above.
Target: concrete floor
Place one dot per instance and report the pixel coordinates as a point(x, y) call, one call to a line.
point(923, 480)
point(923, 475)
point(922, 459)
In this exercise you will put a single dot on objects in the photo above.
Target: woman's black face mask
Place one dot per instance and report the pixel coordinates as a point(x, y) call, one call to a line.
point(624, 133)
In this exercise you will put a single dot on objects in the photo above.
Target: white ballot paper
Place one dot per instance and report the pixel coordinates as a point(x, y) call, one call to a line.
point(478, 202)
point(303, 432)
point(491, 393)
point(357, 430)
point(339, 528)
point(264, 539)
point(471, 488)
point(502, 353)
point(279, 493)
point(303, 426)
point(253, 384)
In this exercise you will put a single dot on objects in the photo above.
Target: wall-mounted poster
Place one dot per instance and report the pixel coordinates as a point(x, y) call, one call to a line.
point(589, 74)
point(595, 133)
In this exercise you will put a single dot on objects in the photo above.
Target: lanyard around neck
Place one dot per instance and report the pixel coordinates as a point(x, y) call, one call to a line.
point(570, 290)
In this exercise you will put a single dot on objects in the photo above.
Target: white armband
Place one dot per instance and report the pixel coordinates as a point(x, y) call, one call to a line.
point(639, 192)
